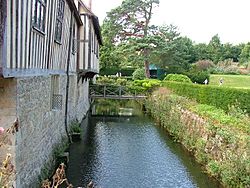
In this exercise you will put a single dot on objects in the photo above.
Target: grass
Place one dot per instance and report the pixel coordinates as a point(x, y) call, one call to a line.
point(238, 81)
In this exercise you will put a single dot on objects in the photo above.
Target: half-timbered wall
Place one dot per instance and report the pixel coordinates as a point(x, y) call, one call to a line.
point(3, 14)
point(31, 51)
point(89, 46)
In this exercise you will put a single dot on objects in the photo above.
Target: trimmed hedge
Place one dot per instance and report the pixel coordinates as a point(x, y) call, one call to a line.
point(178, 78)
point(221, 97)
point(113, 71)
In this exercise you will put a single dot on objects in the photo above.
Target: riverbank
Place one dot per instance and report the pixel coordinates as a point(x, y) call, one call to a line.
point(217, 142)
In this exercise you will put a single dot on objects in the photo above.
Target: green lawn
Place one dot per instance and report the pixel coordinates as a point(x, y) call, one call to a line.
point(241, 81)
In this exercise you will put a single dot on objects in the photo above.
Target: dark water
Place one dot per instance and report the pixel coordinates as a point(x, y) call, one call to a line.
point(131, 152)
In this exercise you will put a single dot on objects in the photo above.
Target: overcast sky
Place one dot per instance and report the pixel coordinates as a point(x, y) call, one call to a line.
point(197, 19)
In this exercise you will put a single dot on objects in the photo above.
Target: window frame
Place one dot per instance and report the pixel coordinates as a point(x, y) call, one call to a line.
point(59, 20)
point(74, 39)
point(39, 22)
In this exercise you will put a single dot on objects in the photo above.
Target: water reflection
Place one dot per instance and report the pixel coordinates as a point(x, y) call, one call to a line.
point(132, 152)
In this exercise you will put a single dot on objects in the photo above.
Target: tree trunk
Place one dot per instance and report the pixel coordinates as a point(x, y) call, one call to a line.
point(146, 65)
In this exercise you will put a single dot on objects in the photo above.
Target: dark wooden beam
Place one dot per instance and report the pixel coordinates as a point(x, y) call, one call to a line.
point(75, 11)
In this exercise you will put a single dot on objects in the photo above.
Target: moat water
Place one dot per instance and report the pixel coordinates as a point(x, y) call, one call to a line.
point(121, 147)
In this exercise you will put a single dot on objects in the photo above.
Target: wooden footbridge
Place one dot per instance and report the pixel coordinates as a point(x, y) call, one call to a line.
point(113, 92)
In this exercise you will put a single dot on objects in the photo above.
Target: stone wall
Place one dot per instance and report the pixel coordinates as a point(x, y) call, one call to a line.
point(42, 128)
point(82, 103)
point(78, 103)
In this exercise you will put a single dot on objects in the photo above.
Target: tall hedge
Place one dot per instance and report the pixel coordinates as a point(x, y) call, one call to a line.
point(221, 97)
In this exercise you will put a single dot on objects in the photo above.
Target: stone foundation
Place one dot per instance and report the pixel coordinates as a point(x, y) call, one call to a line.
point(41, 127)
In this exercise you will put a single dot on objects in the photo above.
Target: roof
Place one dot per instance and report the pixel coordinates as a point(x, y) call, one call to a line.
point(97, 28)
point(75, 11)
point(153, 67)
point(96, 24)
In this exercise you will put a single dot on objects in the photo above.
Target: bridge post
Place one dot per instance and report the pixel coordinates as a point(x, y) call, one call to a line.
point(120, 91)
point(104, 91)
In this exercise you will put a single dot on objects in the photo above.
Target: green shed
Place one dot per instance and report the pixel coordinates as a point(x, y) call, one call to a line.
point(156, 72)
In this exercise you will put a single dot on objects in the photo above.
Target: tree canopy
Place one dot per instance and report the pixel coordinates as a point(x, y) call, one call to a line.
point(130, 40)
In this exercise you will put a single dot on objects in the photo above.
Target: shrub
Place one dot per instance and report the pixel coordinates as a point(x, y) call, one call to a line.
point(198, 76)
point(104, 80)
point(142, 86)
point(175, 69)
point(121, 82)
point(221, 97)
point(75, 127)
point(109, 71)
point(178, 78)
point(204, 65)
point(139, 74)
point(218, 140)
point(127, 71)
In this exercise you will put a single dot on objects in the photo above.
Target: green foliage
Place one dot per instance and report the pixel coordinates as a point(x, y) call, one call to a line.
point(177, 78)
point(105, 80)
point(215, 48)
point(139, 74)
point(121, 81)
point(235, 118)
point(144, 86)
point(114, 71)
point(213, 168)
point(126, 29)
point(197, 76)
point(245, 54)
point(75, 127)
point(221, 97)
point(218, 140)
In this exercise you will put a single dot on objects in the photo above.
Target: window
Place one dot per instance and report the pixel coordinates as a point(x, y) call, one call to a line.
point(59, 20)
point(74, 40)
point(56, 98)
point(38, 17)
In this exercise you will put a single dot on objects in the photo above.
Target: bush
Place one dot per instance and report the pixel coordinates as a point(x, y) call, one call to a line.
point(198, 76)
point(121, 82)
point(204, 65)
point(139, 74)
point(178, 78)
point(104, 80)
point(221, 97)
point(114, 71)
point(127, 71)
point(109, 71)
point(175, 69)
point(142, 86)
point(75, 127)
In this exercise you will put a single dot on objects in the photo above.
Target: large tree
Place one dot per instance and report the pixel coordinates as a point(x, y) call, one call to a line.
point(131, 20)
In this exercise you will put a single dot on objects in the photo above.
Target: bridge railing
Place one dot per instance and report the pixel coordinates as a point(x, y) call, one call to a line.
point(112, 91)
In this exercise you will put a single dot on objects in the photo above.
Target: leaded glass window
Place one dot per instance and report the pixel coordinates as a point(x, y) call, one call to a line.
point(39, 14)
point(59, 20)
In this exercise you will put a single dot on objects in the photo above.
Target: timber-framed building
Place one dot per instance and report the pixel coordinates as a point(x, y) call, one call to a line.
point(49, 50)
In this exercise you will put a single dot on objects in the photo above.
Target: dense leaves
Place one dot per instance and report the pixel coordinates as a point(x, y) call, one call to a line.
point(130, 40)
point(178, 78)
point(130, 20)
point(221, 97)
point(218, 140)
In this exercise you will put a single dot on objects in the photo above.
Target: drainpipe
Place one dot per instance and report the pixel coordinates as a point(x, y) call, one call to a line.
point(67, 82)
